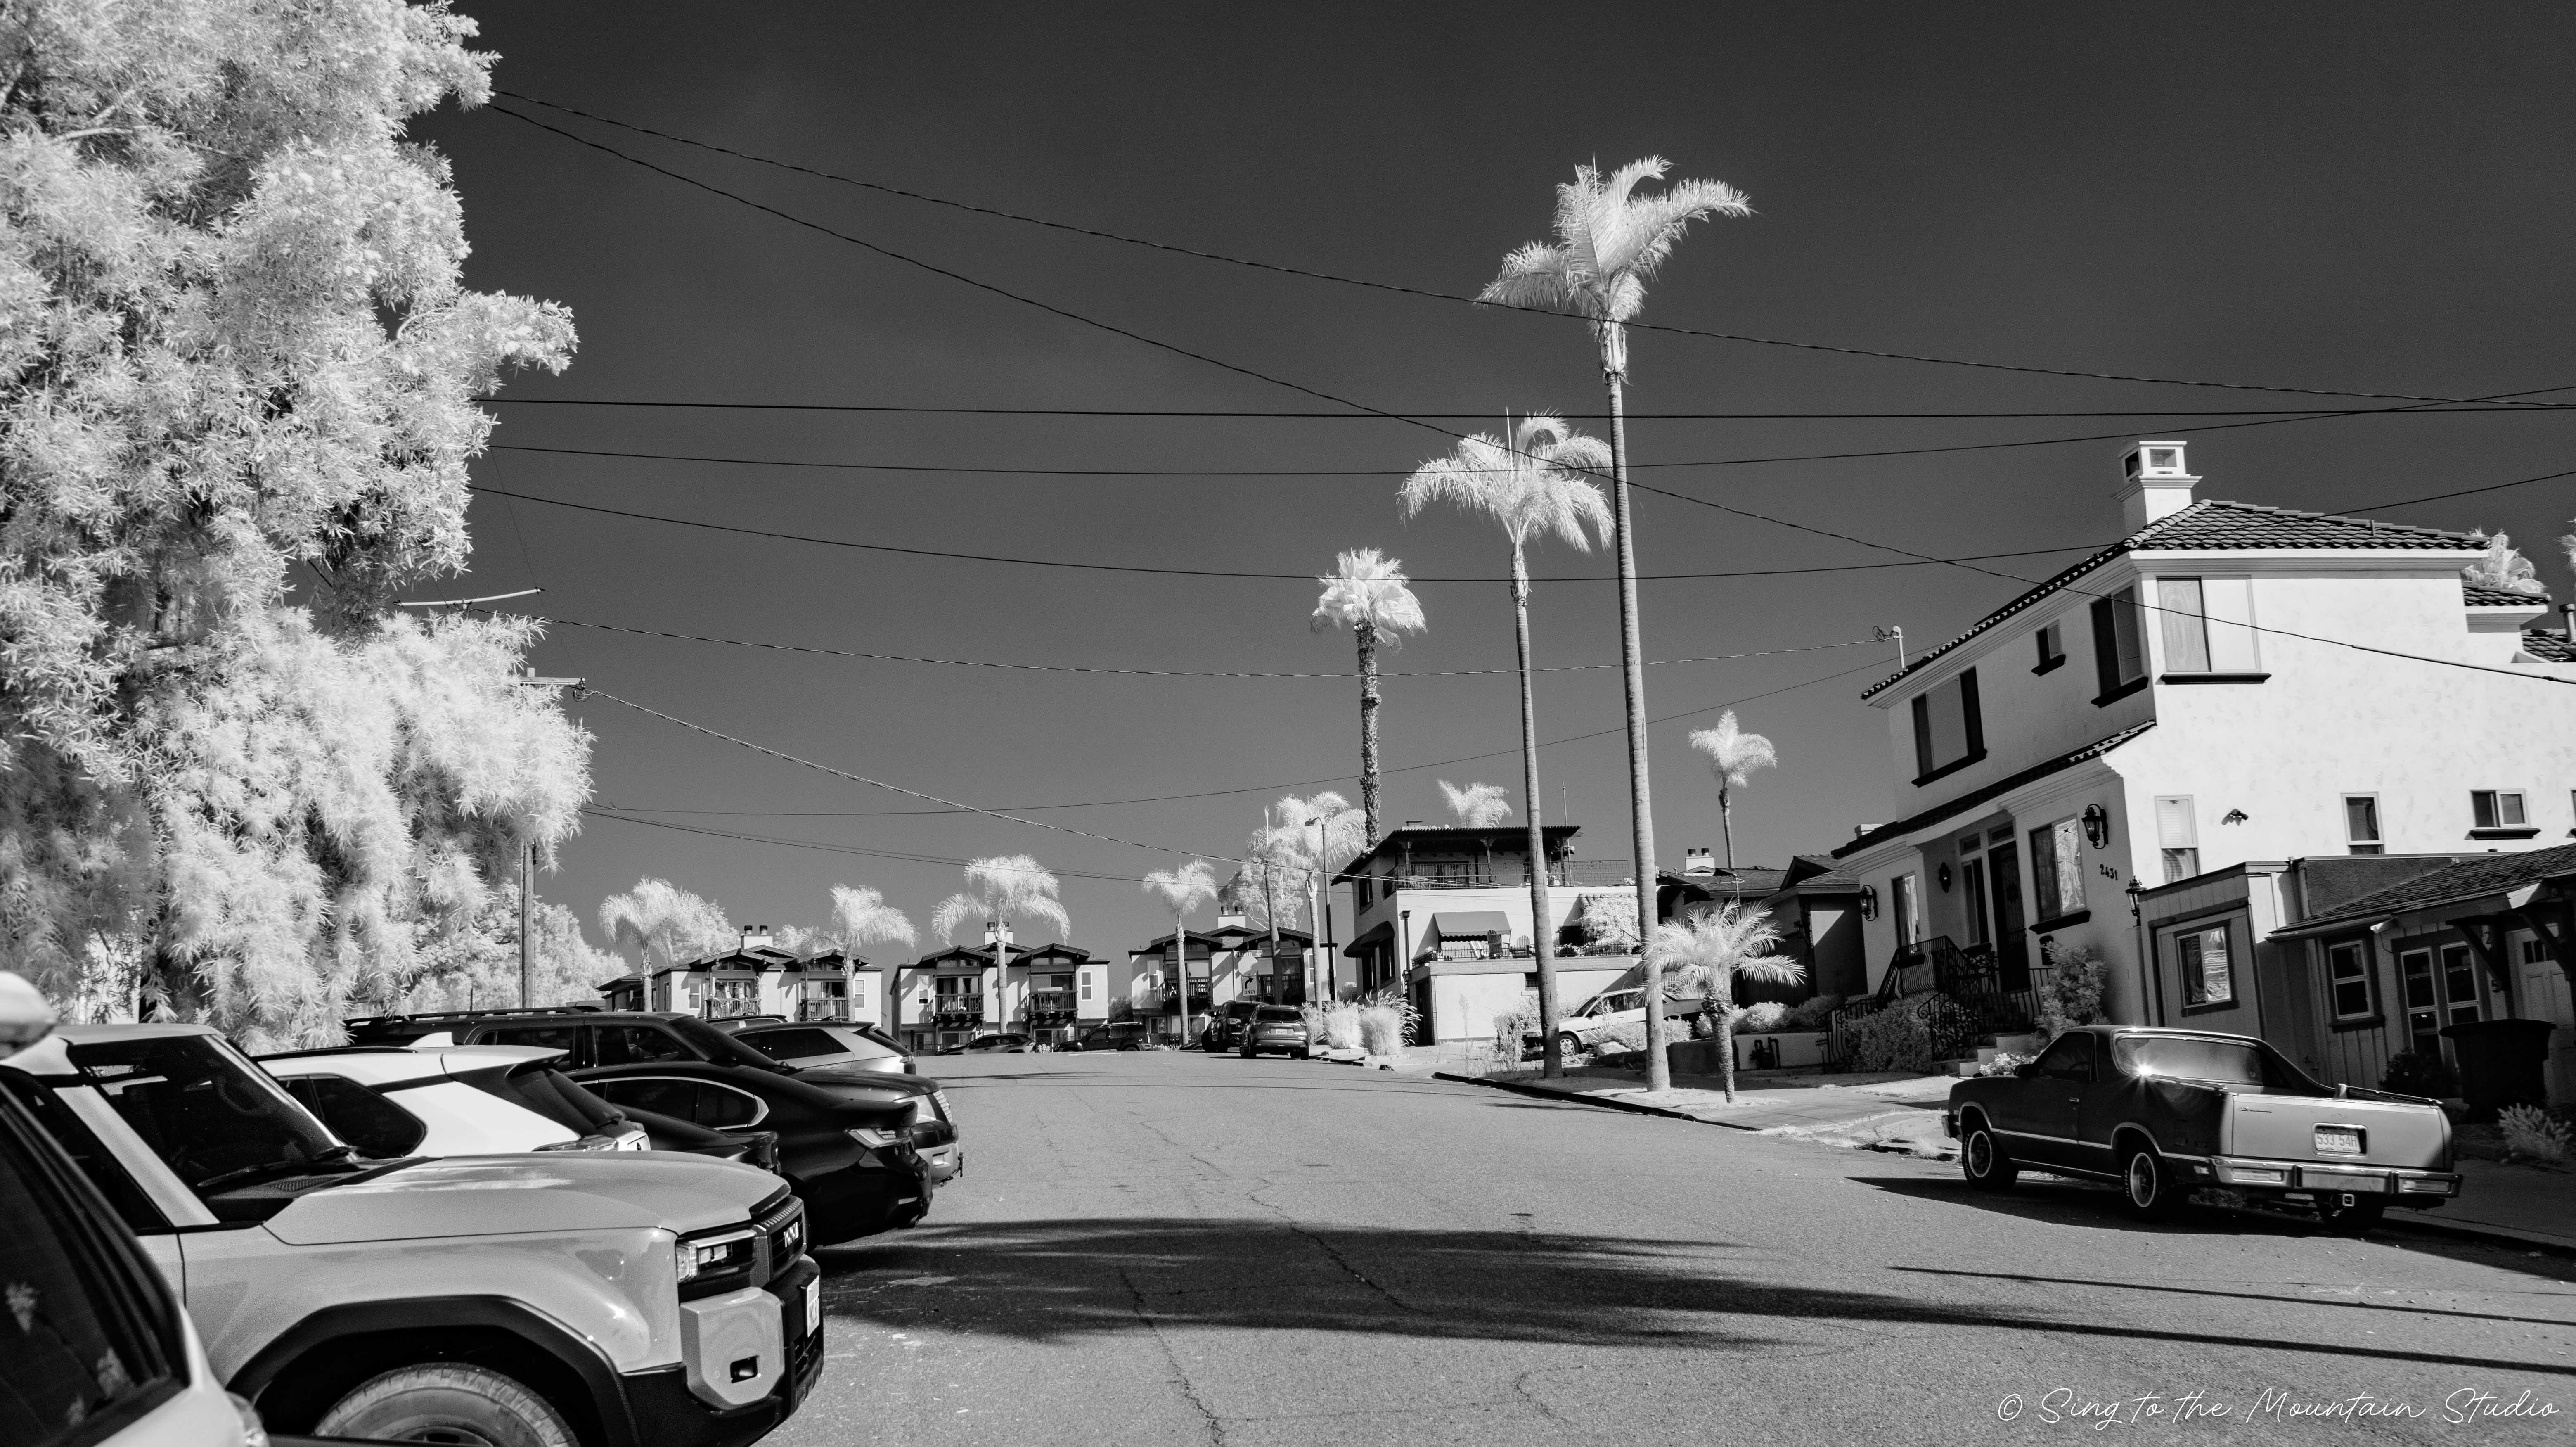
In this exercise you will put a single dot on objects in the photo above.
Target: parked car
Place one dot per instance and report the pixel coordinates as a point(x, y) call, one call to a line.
point(831, 1042)
point(1116, 1035)
point(999, 1042)
point(1225, 1024)
point(735, 1024)
point(1584, 1027)
point(2165, 1112)
point(1274, 1027)
point(607, 1299)
point(73, 1261)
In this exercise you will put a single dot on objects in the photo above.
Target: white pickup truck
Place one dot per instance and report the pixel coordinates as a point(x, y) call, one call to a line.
point(549, 1300)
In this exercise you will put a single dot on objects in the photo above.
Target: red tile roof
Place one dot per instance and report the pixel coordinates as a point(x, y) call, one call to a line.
point(2477, 597)
point(2548, 647)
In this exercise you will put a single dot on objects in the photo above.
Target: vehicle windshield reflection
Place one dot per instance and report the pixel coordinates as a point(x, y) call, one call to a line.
point(2212, 1062)
point(210, 1114)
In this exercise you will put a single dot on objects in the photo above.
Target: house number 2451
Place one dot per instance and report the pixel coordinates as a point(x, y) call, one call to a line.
point(2107, 871)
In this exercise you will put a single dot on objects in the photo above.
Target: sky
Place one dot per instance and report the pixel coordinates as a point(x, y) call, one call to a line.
point(2357, 198)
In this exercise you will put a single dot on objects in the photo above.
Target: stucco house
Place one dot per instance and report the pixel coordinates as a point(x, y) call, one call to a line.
point(950, 996)
point(2227, 683)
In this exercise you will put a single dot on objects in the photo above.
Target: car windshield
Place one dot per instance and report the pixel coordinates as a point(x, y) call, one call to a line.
point(714, 1044)
point(1287, 1013)
point(201, 1106)
point(2216, 1062)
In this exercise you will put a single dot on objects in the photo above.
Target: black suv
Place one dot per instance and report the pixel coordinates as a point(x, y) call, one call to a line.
point(1225, 1027)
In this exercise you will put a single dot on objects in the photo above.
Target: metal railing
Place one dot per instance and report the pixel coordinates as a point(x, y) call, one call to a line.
point(1508, 873)
point(1993, 997)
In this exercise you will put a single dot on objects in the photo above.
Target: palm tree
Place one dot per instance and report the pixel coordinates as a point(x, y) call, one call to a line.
point(1477, 806)
point(860, 918)
point(1717, 947)
point(1368, 596)
point(1532, 486)
point(1609, 242)
point(664, 923)
point(1303, 841)
point(1733, 755)
point(1184, 889)
point(997, 888)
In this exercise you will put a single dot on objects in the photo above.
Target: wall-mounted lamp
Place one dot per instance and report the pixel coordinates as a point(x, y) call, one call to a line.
point(1943, 874)
point(2097, 826)
point(2134, 891)
point(1869, 901)
point(2234, 816)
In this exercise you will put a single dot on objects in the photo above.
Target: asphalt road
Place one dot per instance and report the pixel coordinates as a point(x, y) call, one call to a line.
point(1174, 1248)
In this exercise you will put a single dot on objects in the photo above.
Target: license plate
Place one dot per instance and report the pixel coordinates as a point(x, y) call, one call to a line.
point(2339, 1140)
point(814, 1308)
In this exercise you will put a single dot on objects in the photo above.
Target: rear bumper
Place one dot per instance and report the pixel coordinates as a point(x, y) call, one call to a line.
point(2391, 1183)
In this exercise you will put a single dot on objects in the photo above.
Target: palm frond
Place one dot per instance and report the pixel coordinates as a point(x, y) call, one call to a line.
point(861, 917)
point(953, 911)
point(1528, 487)
point(1534, 278)
point(1368, 589)
point(1611, 238)
point(1731, 941)
point(1186, 888)
point(1477, 806)
point(1733, 754)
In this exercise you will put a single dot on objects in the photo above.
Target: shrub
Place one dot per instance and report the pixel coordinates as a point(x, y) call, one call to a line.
point(1761, 1019)
point(2529, 1132)
point(1815, 1014)
point(1627, 1035)
point(1513, 1025)
point(2070, 992)
point(1387, 1019)
point(1341, 1021)
point(2412, 1072)
point(1911, 1034)
point(2004, 1063)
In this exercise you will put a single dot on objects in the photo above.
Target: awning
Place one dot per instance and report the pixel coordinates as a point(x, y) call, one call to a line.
point(1472, 924)
point(1382, 933)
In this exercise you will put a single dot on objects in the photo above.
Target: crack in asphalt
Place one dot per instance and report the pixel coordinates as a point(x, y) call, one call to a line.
point(1180, 1376)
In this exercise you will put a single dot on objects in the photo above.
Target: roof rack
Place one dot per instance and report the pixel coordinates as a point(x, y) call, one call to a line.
point(587, 1009)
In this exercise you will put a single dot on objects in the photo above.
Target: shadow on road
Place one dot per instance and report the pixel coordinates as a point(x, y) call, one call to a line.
point(1053, 1280)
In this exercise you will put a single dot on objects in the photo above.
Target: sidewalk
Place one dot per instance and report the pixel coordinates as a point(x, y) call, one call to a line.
point(2531, 1205)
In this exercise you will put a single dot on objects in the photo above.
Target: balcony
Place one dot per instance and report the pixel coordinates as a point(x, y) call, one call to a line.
point(1051, 1007)
point(956, 1012)
point(1507, 874)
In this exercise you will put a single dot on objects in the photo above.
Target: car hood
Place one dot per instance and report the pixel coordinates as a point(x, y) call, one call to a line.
point(515, 1194)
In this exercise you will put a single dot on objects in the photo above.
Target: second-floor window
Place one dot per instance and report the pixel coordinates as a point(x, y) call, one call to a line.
point(1360, 892)
point(2206, 625)
point(2057, 868)
point(2361, 824)
point(2052, 648)
point(2178, 836)
point(2496, 809)
point(2119, 646)
point(1949, 732)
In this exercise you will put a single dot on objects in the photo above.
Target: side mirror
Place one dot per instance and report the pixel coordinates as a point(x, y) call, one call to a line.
point(2026, 1069)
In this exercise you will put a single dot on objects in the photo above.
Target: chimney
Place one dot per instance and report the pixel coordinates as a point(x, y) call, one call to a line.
point(2154, 484)
point(1699, 861)
point(755, 936)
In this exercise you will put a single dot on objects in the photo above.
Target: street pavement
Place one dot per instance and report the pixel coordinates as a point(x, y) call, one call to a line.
point(1177, 1248)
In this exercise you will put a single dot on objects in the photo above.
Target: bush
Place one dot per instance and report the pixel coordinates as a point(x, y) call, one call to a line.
point(1387, 1019)
point(2412, 1072)
point(1515, 1024)
point(2529, 1132)
point(1761, 1019)
point(1911, 1034)
point(1341, 1022)
point(2070, 991)
point(2004, 1063)
point(1815, 1014)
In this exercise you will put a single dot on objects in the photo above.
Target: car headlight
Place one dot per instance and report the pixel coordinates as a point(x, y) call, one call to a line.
point(873, 1139)
point(712, 1255)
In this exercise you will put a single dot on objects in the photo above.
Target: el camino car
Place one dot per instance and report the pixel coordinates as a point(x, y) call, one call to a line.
point(2165, 1112)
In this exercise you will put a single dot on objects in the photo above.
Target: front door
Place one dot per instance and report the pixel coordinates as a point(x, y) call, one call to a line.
point(2003, 883)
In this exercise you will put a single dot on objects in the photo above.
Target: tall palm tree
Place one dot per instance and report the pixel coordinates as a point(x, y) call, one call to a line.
point(1533, 485)
point(1609, 242)
point(1184, 889)
point(1368, 595)
point(1477, 806)
point(997, 889)
point(1305, 840)
point(1716, 948)
point(860, 918)
point(1733, 755)
point(664, 923)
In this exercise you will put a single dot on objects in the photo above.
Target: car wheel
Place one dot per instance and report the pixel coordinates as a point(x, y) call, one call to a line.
point(447, 1402)
point(1983, 1161)
point(2147, 1187)
point(2357, 1219)
point(1568, 1043)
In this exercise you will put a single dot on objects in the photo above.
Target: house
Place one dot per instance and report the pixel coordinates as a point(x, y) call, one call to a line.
point(1444, 912)
point(2183, 701)
point(1818, 906)
point(1232, 962)
point(949, 997)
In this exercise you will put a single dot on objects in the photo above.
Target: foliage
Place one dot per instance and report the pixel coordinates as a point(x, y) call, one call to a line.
point(1813, 1014)
point(1715, 948)
point(1291, 854)
point(1763, 1017)
point(480, 967)
point(1340, 1022)
point(2005, 1063)
point(1610, 241)
point(2416, 1072)
point(1367, 590)
point(1733, 755)
point(2504, 569)
point(1000, 888)
point(1911, 1034)
point(2070, 990)
point(1477, 806)
point(1183, 889)
point(664, 923)
point(860, 918)
point(233, 340)
point(1388, 1019)
point(1532, 485)
point(1513, 1026)
point(1608, 923)
point(2529, 1132)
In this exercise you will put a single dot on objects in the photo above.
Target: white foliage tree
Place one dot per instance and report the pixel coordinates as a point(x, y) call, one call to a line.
point(860, 918)
point(665, 924)
point(1477, 806)
point(999, 889)
point(1369, 596)
point(1182, 890)
point(1732, 756)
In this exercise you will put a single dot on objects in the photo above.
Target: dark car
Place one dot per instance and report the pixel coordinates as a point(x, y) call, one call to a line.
point(2165, 1112)
point(732, 1023)
point(1225, 1027)
point(1274, 1027)
point(1119, 1035)
point(998, 1043)
point(601, 1045)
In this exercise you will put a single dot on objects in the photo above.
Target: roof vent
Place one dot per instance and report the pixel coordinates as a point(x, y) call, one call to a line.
point(2156, 483)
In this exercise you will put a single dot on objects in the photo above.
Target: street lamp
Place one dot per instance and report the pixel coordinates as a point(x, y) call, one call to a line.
point(1314, 904)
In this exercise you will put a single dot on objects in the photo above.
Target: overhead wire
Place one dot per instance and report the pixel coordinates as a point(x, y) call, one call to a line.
point(1225, 414)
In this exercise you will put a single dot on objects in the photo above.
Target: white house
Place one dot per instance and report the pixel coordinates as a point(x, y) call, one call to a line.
point(2227, 683)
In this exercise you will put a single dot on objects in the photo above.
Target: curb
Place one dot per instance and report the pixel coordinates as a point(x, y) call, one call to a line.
point(1568, 1097)
point(2479, 1231)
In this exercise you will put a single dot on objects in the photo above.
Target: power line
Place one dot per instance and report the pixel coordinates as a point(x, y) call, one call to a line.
point(2525, 408)
point(1422, 292)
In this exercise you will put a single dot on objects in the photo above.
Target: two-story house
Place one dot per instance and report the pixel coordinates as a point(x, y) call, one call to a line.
point(951, 996)
point(2228, 682)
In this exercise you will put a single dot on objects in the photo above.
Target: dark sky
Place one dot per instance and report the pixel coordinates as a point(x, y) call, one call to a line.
point(2371, 198)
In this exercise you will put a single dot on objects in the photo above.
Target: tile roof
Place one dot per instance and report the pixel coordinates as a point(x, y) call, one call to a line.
point(1993, 791)
point(2485, 875)
point(2548, 647)
point(2219, 526)
point(2478, 597)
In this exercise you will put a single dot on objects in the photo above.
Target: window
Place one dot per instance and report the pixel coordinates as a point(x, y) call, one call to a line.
point(2423, 1012)
point(1908, 904)
point(375, 1125)
point(720, 1106)
point(2459, 984)
point(1972, 891)
point(2178, 835)
point(2071, 1058)
point(2207, 625)
point(677, 1099)
point(2052, 647)
point(2119, 648)
point(792, 1044)
point(1948, 732)
point(2348, 976)
point(2497, 809)
point(1086, 984)
point(638, 1044)
point(542, 1037)
point(1360, 892)
point(2057, 870)
point(2361, 823)
point(2534, 952)
point(2208, 976)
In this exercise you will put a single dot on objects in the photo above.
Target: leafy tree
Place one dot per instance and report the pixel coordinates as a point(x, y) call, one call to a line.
point(236, 361)
point(1533, 485)
point(1713, 949)
point(1298, 846)
point(860, 918)
point(1477, 806)
point(1610, 240)
point(664, 923)
point(480, 966)
point(999, 889)
point(1184, 889)
point(1368, 595)
point(1733, 755)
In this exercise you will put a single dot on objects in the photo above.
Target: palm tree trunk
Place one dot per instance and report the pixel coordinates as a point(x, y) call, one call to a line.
point(1181, 953)
point(1614, 371)
point(1553, 1060)
point(1366, 632)
point(1726, 823)
point(1725, 1009)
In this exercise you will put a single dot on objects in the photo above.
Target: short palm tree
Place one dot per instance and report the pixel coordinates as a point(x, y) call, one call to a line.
point(664, 923)
point(1477, 806)
point(1303, 841)
point(1609, 242)
point(1184, 889)
point(1368, 595)
point(1733, 755)
point(1715, 948)
point(998, 889)
point(1534, 486)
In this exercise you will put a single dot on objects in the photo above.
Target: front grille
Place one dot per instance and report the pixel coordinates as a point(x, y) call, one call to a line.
point(784, 1230)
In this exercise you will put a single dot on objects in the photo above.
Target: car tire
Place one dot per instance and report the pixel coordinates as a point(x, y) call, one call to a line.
point(2358, 1219)
point(1983, 1161)
point(2148, 1190)
point(1568, 1043)
point(447, 1402)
